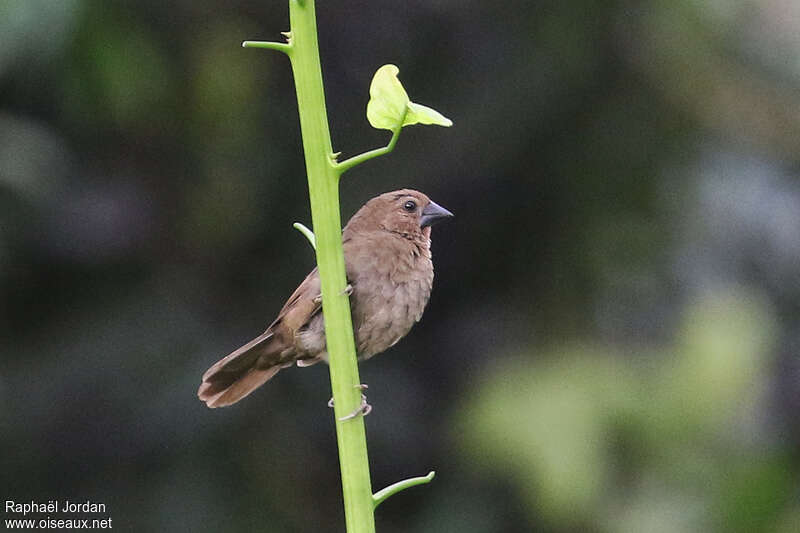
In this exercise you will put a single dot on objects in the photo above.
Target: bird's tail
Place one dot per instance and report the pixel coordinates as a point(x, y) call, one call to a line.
point(240, 373)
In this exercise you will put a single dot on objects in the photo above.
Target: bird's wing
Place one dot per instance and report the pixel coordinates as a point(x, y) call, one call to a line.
point(304, 303)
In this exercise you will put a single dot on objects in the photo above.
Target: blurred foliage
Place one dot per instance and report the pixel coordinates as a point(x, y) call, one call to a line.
point(641, 442)
point(612, 341)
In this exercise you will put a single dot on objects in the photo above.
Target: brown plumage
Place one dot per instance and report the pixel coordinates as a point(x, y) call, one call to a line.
point(388, 261)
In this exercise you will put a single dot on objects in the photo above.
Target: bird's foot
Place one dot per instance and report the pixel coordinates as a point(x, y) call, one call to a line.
point(347, 290)
point(363, 409)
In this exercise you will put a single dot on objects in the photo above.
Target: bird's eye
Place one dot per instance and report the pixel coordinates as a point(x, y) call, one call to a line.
point(410, 206)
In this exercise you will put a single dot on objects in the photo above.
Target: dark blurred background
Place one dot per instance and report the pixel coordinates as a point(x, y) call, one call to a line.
point(612, 341)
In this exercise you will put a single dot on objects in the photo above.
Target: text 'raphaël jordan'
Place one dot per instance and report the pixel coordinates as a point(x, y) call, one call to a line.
point(54, 506)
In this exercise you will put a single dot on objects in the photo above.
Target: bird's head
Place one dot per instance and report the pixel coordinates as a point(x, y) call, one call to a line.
point(406, 212)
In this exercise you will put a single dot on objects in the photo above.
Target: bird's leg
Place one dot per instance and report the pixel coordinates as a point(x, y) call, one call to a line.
point(363, 409)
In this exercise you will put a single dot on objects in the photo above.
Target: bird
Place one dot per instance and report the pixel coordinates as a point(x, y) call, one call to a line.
point(389, 271)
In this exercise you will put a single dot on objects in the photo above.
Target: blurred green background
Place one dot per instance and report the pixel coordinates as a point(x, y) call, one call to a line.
point(612, 341)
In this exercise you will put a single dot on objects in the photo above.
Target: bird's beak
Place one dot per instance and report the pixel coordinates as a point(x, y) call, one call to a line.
point(433, 213)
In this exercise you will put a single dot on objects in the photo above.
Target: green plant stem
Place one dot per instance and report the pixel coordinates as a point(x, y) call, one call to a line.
point(347, 164)
point(324, 173)
point(323, 185)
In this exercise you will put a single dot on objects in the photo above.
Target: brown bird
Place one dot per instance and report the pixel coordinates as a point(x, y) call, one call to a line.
point(390, 273)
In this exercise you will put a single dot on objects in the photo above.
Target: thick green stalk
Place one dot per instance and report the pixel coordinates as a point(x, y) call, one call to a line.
point(323, 185)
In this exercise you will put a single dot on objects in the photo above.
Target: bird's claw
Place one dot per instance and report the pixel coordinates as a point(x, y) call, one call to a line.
point(363, 409)
point(347, 290)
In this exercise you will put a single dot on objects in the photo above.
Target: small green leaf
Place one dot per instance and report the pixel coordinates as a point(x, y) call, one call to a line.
point(389, 107)
point(387, 99)
point(421, 114)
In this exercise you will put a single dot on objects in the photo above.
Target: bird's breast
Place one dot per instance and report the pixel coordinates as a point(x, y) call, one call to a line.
point(389, 295)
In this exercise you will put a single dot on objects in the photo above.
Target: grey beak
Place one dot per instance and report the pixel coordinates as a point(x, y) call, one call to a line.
point(433, 213)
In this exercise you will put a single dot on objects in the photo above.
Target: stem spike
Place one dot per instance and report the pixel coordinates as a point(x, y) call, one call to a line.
point(307, 233)
point(380, 496)
point(270, 45)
